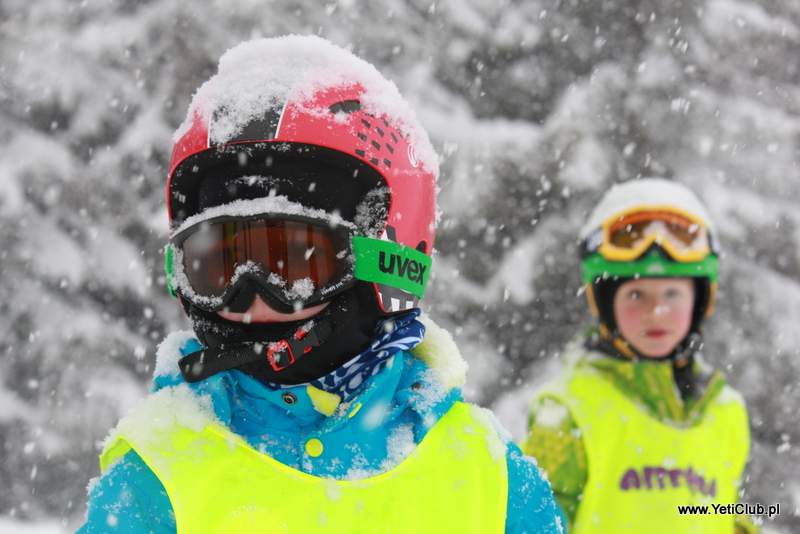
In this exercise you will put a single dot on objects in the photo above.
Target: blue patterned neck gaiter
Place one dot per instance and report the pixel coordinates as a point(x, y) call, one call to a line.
point(402, 332)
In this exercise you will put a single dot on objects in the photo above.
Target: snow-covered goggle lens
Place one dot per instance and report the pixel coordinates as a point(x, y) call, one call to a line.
point(300, 256)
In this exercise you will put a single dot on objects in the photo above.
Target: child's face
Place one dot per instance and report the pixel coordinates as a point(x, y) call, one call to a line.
point(261, 312)
point(654, 314)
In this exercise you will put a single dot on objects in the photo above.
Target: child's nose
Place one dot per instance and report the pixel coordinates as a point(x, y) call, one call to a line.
point(660, 308)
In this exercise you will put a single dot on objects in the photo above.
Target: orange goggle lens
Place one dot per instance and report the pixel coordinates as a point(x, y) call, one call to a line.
point(632, 234)
point(293, 250)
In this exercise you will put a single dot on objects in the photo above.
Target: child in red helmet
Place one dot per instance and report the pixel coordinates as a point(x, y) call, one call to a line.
point(639, 424)
point(311, 395)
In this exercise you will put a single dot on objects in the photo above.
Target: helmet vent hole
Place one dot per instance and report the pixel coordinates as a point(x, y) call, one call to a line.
point(345, 106)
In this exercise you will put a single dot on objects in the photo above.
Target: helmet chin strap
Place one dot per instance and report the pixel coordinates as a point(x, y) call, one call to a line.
point(285, 353)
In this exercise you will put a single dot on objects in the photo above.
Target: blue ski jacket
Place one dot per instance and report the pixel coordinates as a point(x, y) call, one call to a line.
point(413, 391)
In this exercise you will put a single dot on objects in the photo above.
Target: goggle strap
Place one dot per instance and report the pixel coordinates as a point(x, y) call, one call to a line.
point(169, 270)
point(391, 264)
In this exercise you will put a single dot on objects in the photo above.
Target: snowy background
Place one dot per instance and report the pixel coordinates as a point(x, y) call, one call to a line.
point(537, 106)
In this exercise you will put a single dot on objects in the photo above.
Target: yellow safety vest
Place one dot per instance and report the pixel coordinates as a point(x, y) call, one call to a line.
point(641, 469)
point(454, 481)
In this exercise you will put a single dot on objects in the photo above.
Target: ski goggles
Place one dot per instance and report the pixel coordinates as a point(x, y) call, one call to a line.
point(628, 236)
point(293, 259)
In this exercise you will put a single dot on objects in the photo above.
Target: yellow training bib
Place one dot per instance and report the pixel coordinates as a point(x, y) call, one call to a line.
point(454, 481)
point(641, 469)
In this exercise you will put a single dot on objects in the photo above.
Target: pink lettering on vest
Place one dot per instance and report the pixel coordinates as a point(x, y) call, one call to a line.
point(656, 477)
point(675, 477)
point(658, 473)
point(630, 480)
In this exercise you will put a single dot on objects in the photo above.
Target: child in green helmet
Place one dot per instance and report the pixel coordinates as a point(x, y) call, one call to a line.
point(638, 425)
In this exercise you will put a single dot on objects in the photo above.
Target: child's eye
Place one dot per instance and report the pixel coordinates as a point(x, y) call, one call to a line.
point(672, 293)
point(635, 294)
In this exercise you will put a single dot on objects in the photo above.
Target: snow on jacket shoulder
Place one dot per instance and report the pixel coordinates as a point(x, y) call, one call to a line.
point(413, 392)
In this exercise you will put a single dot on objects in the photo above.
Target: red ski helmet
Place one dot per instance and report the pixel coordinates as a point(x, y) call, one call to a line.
point(335, 131)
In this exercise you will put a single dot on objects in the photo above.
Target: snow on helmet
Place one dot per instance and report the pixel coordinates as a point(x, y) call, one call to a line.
point(299, 128)
point(651, 227)
point(336, 132)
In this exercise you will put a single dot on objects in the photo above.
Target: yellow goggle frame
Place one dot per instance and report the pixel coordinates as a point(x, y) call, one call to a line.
point(667, 241)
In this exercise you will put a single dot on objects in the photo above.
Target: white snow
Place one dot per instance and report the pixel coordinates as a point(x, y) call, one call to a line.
point(514, 276)
point(62, 257)
point(551, 414)
point(12, 407)
point(440, 352)
point(91, 92)
point(516, 271)
point(496, 435)
point(657, 69)
point(169, 353)
point(736, 209)
point(115, 260)
point(588, 165)
point(513, 407)
point(724, 15)
point(272, 204)
point(17, 526)
point(430, 397)
point(372, 211)
point(399, 445)
point(643, 193)
point(466, 150)
point(265, 72)
point(302, 288)
point(778, 298)
point(163, 410)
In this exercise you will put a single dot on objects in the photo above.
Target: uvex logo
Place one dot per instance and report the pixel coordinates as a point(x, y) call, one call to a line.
point(399, 266)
